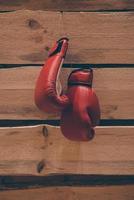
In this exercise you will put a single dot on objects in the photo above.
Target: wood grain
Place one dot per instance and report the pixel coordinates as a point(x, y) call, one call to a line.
point(26, 36)
point(114, 87)
point(72, 193)
point(64, 5)
point(42, 150)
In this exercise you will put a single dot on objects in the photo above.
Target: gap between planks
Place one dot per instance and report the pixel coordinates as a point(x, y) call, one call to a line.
point(103, 122)
point(63, 5)
point(26, 182)
point(71, 65)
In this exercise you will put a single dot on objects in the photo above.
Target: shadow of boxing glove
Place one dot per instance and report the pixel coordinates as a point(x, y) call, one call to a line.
point(79, 118)
point(47, 98)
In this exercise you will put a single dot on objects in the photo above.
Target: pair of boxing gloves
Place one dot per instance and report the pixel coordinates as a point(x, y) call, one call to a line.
point(79, 107)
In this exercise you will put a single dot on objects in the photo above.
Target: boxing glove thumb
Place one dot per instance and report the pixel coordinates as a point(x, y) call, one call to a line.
point(47, 98)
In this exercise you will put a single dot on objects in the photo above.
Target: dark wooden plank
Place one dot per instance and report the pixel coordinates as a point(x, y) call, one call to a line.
point(64, 5)
point(26, 36)
point(43, 150)
point(114, 88)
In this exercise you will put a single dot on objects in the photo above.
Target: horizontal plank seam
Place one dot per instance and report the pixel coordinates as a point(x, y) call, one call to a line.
point(103, 122)
point(90, 11)
point(71, 65)
point(21, 182)
point(6, 11)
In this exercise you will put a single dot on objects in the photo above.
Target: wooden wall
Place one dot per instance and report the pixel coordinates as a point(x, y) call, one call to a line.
point(36, 161)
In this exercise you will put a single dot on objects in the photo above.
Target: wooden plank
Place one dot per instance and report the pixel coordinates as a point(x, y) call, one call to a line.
point(63, 5)
point(114, 87)
point(44, 150)
point(26, 36)
point(72, 193)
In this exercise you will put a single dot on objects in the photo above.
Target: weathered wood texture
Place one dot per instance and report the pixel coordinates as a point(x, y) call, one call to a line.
point(43, 150)
point(26, 36)
point(114, 87)
point(67, 5)
point(72, 193)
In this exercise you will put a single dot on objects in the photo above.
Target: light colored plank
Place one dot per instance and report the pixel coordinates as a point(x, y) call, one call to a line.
point(114, 87)
point(26, 36)
point(63, 5)
point(72, 193)
point(44, 150)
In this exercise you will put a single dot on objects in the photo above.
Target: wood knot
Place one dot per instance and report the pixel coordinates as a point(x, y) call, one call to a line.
point(45, 31)
point(40, 166)
point(33, 24)
point(45, 131)
point(47, 48)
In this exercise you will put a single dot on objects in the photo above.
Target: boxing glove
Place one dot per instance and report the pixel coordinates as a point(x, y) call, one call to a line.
point(79, 118)
point(47, 98)
point(79, 107)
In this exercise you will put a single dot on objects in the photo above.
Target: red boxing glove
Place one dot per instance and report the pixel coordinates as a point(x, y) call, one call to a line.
point(80, 111)
point(83, 114)
point(47, 98)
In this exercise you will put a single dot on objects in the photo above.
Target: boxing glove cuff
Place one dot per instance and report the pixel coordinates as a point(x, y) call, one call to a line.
point(81, 77)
